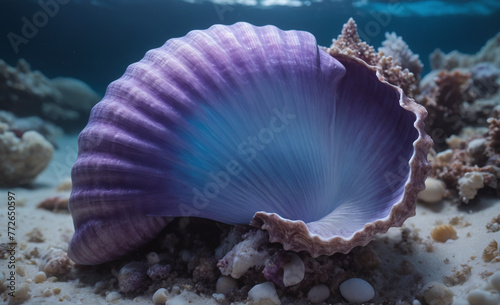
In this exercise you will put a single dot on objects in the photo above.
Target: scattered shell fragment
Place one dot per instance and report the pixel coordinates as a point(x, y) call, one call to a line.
point(356, 290)
point(35, 236)
point(263, 294)
point(434, 190)
point(442, 233)
point(318, 293)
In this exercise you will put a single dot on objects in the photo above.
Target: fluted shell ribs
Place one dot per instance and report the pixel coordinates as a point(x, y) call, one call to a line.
point(245, 124)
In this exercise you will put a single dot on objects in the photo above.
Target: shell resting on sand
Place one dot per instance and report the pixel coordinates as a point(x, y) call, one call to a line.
point(245, 124)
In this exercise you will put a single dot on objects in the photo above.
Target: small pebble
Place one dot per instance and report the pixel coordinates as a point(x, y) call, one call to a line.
point(132, 277)
point(434, 191)
point(153, 258)
point(47, 293)
point(225, 284)
point(21, 270)
point(318, 293)
point(264, 293)
point(40, 277)
point(160, 296)
point(113, 296)
point(357, 290)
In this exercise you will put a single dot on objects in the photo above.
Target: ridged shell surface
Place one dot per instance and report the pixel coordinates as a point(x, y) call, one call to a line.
point(245, 124)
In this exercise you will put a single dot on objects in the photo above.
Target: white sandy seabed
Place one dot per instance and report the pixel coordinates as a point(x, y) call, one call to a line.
point(457, 261)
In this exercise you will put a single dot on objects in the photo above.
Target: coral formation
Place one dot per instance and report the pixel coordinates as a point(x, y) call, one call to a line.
point(23, 157)
point(394, 46)
point(29, 93)
point(489, 53)
point(392, 68)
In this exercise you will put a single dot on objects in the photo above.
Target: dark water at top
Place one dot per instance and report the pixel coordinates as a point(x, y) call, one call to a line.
point(96, 41)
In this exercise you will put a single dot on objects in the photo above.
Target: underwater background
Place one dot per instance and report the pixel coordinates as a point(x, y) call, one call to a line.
point(96, 40)
point(57, 58)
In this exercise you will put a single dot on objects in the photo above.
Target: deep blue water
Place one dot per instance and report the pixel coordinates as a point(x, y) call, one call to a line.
point(95, 43)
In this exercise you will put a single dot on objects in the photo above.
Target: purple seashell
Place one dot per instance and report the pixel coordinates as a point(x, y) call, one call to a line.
point(247, 124)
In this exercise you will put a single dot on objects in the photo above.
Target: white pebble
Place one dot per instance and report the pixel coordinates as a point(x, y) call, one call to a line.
point(416, 302)
point(357, 290)
point(160, 296)
point(482, 297)
point(318, 293)
point(293, 271)
point(434, 191)
point(113, 296)
point(40, 277)
point(219, 297)
point(494, 280)
point(263, 294)
point(225, 284)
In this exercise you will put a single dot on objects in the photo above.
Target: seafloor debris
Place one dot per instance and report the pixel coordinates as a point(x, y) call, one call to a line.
point(464, 90)
point(491, 253)
point(22, 158)
point(35, 236)
point(54, 204)
point(29, 93)
point(494, 224)
point(458, 276)
point(470, 164)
